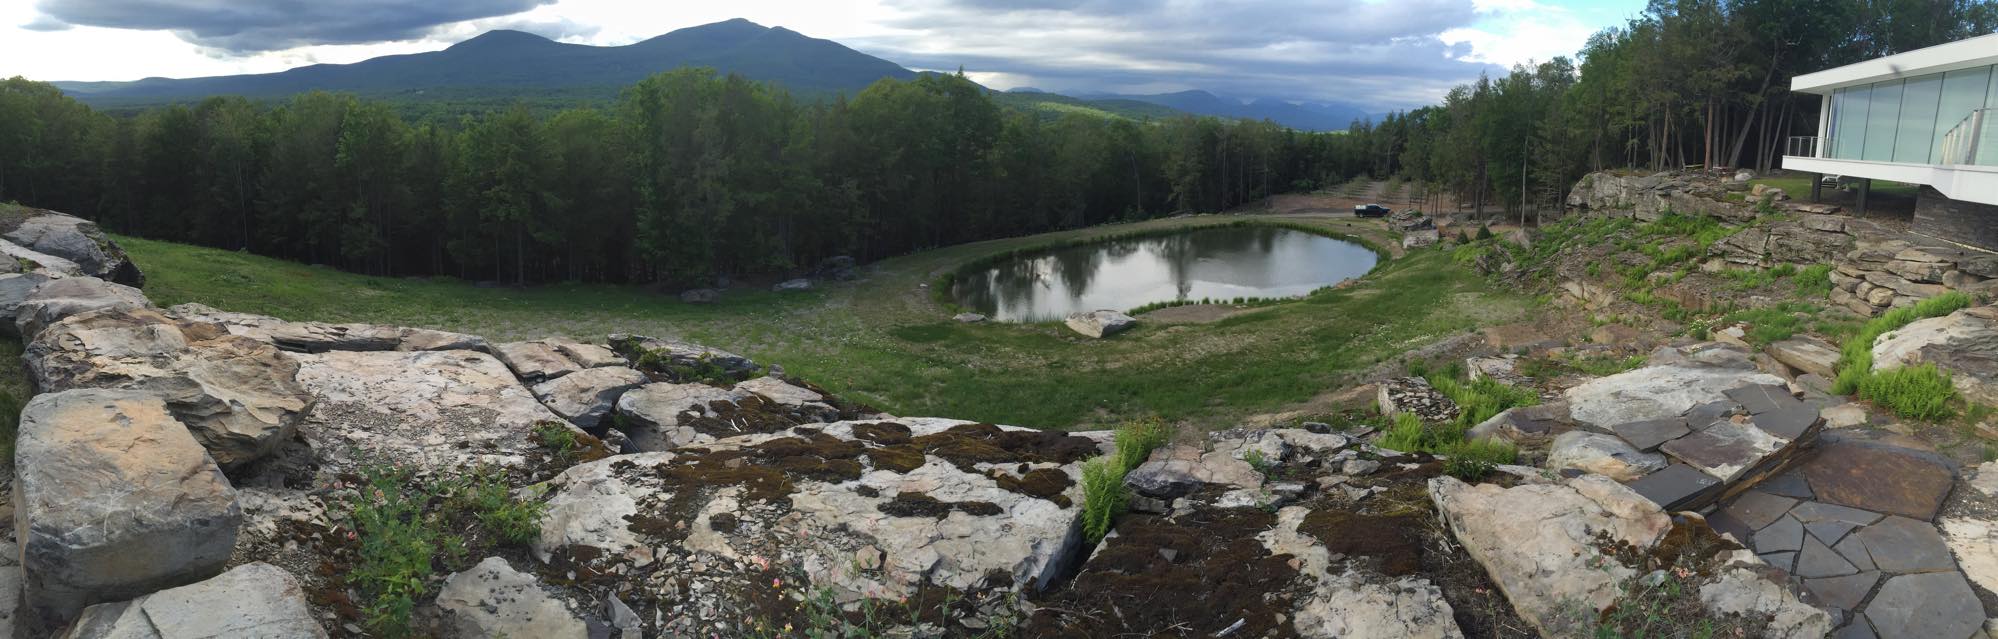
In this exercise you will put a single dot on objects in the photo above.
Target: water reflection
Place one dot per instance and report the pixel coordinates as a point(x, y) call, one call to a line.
point(1225, 263)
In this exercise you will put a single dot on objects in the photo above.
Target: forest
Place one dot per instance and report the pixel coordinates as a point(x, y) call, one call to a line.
point(1687, 83)
point(688, 177)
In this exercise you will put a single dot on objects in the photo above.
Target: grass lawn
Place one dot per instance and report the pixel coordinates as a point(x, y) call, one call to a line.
point(884, 340)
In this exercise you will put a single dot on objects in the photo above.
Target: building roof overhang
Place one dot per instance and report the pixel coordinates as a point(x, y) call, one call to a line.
point(1962, 54)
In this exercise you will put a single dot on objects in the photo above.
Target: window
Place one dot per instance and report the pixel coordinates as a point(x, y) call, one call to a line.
point(1883, 116)
point(1963, 92)
point(1917, 129)
point(1848, 132)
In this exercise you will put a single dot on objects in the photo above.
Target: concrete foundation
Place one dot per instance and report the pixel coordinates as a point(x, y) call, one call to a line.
point(1956, 220)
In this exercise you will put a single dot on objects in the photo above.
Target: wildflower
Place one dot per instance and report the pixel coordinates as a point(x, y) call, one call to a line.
point(776, 583)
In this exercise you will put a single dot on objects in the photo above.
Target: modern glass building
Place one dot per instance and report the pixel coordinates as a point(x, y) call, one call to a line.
point(1927, 117)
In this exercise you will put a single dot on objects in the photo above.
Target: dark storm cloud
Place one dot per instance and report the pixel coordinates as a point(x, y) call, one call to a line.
point(1381, 54)
point(268, 25)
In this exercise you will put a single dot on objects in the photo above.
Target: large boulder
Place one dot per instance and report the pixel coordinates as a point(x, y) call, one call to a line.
point(239, 397)
point(251, 600)
point(1963, 344)
point(1100, 323)
point(492, 599)
point(1564, 552)
point(1655, 392)
point(15, 289)
point(320, 337)
point(68, 296)
point(862, 509)
point(114, 499)
point(434, 410)
point(74, 240)
point(1603, 455)
point(535, 361)
point(664, 416)
point(587, 396)
point(682, 361)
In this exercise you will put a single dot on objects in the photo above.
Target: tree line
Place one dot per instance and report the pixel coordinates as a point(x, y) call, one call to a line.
point(1686, 83)
point(688, 177)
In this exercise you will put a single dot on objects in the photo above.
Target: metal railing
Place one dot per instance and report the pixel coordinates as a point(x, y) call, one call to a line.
point(1961, 144)
point(1802, 146)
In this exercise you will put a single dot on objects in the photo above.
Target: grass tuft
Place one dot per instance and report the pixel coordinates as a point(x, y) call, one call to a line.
point(1103, 496)
point(1915, 392)
point(1856, 353)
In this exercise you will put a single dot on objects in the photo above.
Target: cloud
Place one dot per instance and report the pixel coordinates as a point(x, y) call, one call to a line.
point(45, 23)
point(240, 26)
point(1376, 54)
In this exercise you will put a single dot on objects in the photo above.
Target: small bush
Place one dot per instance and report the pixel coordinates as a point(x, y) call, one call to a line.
point(488, 499)
point(1472, 460)
point(1406, 435)
point(1137, 439)
point(1103, 497)
point(1914, 392)
point(1856, 353)
point(398, 541)
point(1484, 233)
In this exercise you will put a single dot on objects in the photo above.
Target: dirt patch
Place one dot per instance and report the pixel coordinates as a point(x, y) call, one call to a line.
point(968, 445)
point(913, 504)
point(1193, 576)
point(1045, 483)
point(1390, 542)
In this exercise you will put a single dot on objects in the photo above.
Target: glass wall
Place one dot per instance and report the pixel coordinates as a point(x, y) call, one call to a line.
point(1906, 120)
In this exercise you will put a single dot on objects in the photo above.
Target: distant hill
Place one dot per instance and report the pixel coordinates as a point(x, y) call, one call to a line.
point(528, 63)
point(1309, 116)
point(499, 68)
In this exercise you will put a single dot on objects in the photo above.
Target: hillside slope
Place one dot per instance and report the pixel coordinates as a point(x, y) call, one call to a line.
point(523, 61)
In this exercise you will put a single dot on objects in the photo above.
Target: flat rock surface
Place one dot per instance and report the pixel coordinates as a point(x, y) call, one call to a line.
point(432, 409)
point(252, 600)
point(1880, 478)
point(1939, 604)
point(1724, 450)
point(1655, 392)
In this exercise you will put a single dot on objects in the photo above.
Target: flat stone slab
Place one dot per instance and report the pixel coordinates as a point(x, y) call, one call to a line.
point(1788, 423)
point(1675, 486)
point(1785, 535)
point(1845, 592)
point(1758, 509)
point(1724, 450)
point(1939, 605)
point(1880, 478)
point(1647, 435)
point(1816, 560)
point(1790, 484)
point(1900, 544)
point(1854, 550)
point(1762, 398)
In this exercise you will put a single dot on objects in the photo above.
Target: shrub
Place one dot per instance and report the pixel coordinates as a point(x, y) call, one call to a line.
point(1484, 232)
point(1472, 460)
point(1856, 354)
point(1103, 497)
point(1481, 400)
point(1137, 439)
point(1406, 435)
point(397, 543)
point(488, 499)
point(1914, 392)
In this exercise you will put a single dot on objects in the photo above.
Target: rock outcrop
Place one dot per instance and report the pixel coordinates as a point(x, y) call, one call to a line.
point(114, 499)
point(1964, 343)
point(252, 600)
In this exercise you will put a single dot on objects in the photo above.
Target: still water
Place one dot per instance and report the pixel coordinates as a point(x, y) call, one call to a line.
point(1224, 263)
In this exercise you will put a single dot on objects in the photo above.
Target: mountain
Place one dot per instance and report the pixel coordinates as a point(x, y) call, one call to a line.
point(521, 61)
point(1309, 116)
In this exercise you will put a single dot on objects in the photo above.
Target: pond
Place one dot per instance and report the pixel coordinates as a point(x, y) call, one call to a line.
point(1217, 263)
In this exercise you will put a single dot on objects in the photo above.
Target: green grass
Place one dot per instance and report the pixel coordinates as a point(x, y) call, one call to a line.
point(1814, 282)
point(884, 341)
point(1914, 392)
point(1773, 324)
point(15, 389)
point(1920, 392)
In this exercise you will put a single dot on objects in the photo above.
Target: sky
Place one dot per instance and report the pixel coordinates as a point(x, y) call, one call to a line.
point(1380, 53)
